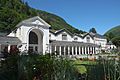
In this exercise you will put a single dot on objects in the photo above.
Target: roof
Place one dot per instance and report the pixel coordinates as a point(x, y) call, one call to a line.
point(110, 43)
point(9, 40)
point(35, 18)
point(87, 34)
point(79, 35)
point(60, 31)
point(97, 35)
point(29, 21)
point(69, 43)
point(3, 34)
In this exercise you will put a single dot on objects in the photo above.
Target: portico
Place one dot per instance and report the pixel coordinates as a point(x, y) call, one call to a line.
point(72, 48)
point(37, 36)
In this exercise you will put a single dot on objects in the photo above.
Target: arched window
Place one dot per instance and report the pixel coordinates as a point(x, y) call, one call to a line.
point(33, 39)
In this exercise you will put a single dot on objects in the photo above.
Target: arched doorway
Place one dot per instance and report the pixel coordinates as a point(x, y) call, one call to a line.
point(35, 41)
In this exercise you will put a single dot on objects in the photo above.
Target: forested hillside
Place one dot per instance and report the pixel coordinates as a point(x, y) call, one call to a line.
point(112, 33)
point(114, 36)
point(14, 11)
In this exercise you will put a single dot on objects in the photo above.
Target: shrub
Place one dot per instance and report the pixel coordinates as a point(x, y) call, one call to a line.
point(43, 67)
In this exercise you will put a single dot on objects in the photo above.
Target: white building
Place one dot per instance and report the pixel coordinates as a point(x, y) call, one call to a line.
point(110, 46)
point(35, 35)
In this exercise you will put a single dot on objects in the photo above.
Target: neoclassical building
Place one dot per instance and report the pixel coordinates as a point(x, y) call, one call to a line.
point(35, 35)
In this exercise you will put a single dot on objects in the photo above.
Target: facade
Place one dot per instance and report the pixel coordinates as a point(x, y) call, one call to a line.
point(35, 35)
point(110, 46)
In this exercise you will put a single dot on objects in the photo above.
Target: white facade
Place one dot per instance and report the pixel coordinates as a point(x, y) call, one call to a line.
point(77, 38)
point(88, 39)
point(101, 42)
point(35, 35)
point(37, 26)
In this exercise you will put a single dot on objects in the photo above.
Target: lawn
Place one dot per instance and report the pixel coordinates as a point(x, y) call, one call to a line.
point(81, 65)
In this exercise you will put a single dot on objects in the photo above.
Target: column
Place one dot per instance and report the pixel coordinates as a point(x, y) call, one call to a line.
point(9, 47)
point(50, 49)
point(88, 50)
point(79, 50)
point(64, 50)
point(60, 50)
point(55, 50)
point(93, 50)
point(76, 50)
point(68, 50)
point(82, 50)
point(72, 50)
point(85, 49)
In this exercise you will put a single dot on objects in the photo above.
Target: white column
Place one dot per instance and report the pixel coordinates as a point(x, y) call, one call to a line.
point(50, 49)
point(93, 50)
point(64, 50)
point(60, 50)
point(88, 51)
point(68, 50)
point(9, 48)
point(76, 50)
point(79, 50)
point(72, 50)
point(82, 50)
point(55, 49)
point(85, 49)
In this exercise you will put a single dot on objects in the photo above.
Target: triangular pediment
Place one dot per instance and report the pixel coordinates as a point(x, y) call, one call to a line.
point(36, 20)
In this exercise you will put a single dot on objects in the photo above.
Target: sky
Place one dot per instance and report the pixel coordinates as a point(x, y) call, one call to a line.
point(83, 14)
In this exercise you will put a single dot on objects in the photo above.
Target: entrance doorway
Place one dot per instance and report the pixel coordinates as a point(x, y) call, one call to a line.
point(35, 41)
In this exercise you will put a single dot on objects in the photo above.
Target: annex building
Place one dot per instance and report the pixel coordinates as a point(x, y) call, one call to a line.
point(35, 35)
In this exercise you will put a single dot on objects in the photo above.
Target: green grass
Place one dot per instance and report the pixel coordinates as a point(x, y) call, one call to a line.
point(81, 65)
point(81, 69)
point(84, 62)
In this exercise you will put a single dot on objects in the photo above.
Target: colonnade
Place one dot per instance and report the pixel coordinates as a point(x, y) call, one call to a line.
point(72, 50)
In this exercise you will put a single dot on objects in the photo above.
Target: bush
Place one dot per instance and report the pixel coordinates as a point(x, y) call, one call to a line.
point(43, 67)
point(104, 70)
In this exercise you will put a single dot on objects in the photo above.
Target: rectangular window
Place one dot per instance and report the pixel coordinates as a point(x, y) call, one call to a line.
point(88, 39)
point(64, 37)
point(30, 48)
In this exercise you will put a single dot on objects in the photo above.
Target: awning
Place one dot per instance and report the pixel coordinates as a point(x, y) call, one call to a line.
point(6, 40)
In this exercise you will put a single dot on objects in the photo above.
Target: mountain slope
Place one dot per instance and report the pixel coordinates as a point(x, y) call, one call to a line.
point(114, 32)
point(14, 11)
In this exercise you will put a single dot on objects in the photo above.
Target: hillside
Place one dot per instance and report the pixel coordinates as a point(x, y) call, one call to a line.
point(114, 32)
point(14, 11)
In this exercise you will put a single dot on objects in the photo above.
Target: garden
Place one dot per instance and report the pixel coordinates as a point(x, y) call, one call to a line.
point(51, 67)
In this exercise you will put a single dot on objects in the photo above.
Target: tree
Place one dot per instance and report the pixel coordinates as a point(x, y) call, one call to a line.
point(109, 36)
point(93, 30)
point(116, 42)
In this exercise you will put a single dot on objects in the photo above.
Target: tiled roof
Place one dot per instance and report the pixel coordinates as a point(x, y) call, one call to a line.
point(84, 35)
point(9, 40)
point(97, 35)
point(73, 43)
point(60, 31)
point(110, 43)
point(3, 34)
